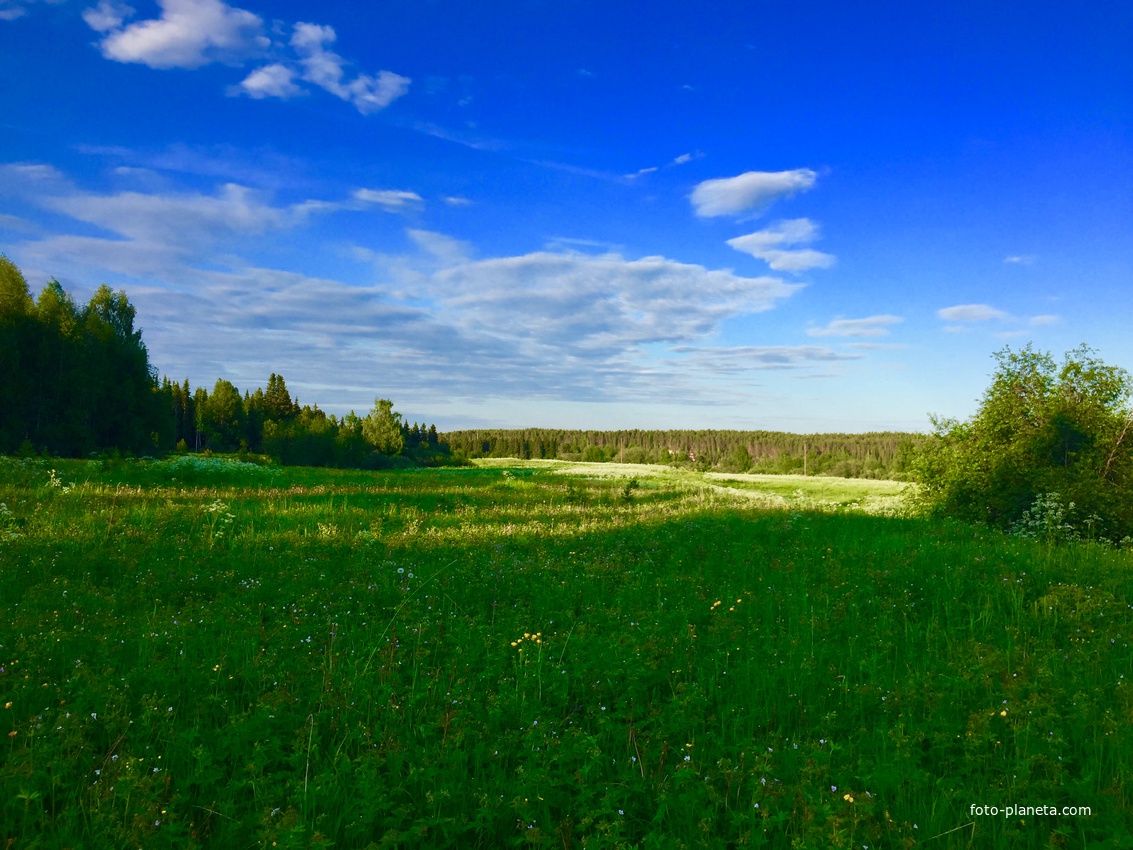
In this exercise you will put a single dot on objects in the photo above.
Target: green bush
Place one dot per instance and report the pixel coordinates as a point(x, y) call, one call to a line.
point(1040, 429)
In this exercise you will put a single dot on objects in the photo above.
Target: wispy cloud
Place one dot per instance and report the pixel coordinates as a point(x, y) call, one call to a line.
point(549, 324)
point(1021, 259)
point(745, 357)
point(192, 33)
point(391, 200)
point(754, 190)
point(152, 232)
point(768, 245)
point(444, 248)
point(971, 313)
point(585, 303)
point(683, 159)
point(966, 317)
point(11, 10)
point(326, 69)
point(869, 326)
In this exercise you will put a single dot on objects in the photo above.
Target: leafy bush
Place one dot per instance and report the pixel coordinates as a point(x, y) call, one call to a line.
point(1041, 429)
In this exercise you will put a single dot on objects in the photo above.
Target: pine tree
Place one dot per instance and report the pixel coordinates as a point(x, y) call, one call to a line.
point(278, 405)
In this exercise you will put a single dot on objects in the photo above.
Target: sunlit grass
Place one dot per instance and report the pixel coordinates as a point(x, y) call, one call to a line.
point(217, 655)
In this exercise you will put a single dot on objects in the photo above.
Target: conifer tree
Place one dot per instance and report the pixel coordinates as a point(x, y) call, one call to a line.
point(16, 376)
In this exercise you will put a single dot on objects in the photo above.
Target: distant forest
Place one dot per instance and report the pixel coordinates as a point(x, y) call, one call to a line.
point(876, 455)
point(77, 381)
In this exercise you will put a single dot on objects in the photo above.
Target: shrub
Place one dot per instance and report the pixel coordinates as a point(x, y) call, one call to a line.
point(1040, 429)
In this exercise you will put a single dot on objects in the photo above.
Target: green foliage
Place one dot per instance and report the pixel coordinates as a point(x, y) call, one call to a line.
point(874, 455)
point(220, 417)
point(78, 381)
point(75, 380)
point(382, 428)
point(277, 400)
point(1040, 429)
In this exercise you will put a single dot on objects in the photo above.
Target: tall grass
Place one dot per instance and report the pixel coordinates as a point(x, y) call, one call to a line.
point(246, 657)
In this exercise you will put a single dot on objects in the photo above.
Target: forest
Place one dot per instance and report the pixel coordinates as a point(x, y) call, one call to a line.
point(874, 455)
point(78, 381)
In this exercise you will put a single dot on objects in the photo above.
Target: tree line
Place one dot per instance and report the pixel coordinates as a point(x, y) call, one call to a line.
point(1049, 453)
point(874, 455)
point(77, 380)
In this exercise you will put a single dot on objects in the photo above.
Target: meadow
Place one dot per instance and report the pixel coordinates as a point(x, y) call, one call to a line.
point(199, 652)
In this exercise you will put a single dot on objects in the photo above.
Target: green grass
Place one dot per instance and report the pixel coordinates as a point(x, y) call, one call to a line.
point(198, 654)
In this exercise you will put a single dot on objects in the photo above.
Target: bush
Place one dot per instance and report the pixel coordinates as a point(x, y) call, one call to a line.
point(1040, 429)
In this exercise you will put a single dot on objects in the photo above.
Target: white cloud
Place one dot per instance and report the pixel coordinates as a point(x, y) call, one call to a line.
point(590, 303)
point(1021, 259)
point(745, 357)
point(391, 200)
point(1038, 321)
point(325, 68)
point(767, 245)
point(192, 33)
point(189, 34)
point(15, 223)
point(11, 10)
point(108, 15)
point(877, 346)
point(675, 161)
point(870, 326)
point(457, 201)
point(30, 174)
point(546, 324)
point(275, 80)
point(753, 190)
point(156, 235)
point(971, 313)
point(444, 248)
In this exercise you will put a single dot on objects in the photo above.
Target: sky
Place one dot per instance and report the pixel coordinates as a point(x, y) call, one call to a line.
point(805, 216)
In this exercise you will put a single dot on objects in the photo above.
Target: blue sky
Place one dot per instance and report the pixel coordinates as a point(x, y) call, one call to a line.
point(806, 216)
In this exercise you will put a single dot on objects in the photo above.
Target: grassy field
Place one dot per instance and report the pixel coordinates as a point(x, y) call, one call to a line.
point(201, 653)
